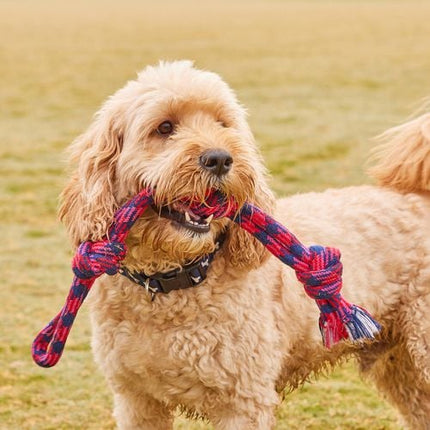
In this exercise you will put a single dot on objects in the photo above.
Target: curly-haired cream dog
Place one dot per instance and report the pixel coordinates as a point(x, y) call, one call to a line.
point(225, 348)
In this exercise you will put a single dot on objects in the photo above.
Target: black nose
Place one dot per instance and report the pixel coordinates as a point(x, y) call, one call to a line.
point(216, 161)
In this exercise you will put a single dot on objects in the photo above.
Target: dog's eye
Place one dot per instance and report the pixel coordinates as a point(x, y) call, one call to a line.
point(165, 128)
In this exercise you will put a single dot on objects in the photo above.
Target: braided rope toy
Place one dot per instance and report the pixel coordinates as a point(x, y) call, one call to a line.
point(318, 268)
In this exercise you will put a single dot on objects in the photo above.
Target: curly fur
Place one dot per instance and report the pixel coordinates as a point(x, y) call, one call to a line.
point(225, 349)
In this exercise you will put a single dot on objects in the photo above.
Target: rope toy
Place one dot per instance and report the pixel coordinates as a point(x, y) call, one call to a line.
point(318, 268)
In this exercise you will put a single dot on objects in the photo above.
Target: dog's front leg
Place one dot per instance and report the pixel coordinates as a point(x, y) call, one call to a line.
point(137, 411)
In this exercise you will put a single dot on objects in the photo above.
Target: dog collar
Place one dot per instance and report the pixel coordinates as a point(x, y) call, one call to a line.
point(187, 276)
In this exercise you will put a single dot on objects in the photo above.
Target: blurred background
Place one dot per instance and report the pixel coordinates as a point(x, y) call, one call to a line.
point(319, 78)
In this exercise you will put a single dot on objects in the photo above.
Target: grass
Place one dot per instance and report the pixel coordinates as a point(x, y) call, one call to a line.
point(319, 79)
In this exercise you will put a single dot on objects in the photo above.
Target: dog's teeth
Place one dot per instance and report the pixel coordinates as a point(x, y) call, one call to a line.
point(187, 217)
point(209, 219)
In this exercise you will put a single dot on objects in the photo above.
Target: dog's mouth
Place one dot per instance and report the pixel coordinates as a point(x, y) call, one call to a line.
point(183, 216)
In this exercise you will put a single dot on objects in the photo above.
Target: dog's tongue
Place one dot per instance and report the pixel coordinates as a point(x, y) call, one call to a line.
point(215, 203)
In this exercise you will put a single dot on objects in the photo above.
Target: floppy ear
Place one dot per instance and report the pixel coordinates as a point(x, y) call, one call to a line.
point(87, 204)
point(244, 251)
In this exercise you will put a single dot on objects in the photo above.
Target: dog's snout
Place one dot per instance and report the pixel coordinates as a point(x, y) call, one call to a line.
point(216, 161)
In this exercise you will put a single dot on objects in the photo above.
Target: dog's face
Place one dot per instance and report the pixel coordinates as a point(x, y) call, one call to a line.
point(181, 132)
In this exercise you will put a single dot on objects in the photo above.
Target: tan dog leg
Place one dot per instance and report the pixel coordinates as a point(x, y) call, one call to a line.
point(397, 377)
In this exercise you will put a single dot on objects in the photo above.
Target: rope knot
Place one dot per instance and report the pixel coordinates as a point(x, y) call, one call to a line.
point(92, 259)
point(323, 279)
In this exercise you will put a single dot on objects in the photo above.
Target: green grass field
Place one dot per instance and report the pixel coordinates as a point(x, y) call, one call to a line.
point(319, 79)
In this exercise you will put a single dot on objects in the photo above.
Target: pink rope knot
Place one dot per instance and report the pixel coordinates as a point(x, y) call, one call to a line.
point(323, 280)
point(92, 259)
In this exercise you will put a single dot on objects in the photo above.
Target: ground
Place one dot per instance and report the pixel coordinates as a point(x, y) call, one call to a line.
point(319, 79)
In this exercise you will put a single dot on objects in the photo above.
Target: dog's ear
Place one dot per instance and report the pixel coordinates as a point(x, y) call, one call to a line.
point(87, 204)
point(244, 251)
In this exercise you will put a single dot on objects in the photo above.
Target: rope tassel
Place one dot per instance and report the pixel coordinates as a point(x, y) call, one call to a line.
point(318, 268)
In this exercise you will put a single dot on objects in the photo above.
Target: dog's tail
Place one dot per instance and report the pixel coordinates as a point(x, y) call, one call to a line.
point(403, 158)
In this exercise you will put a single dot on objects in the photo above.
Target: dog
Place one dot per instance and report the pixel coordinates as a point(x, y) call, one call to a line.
point(226, 347)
